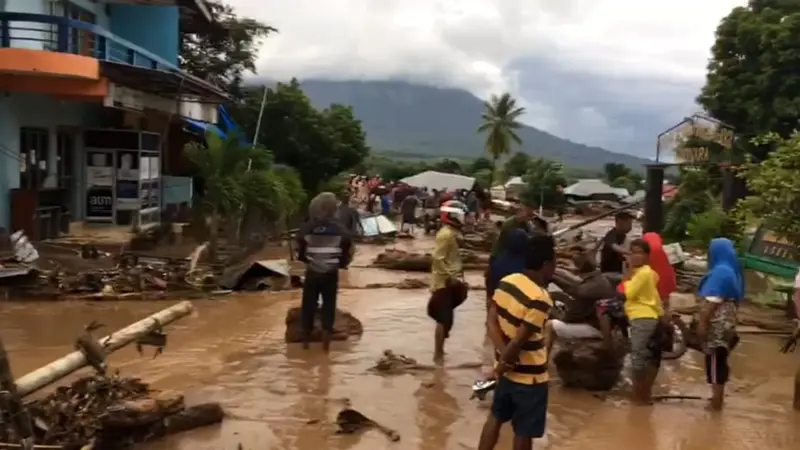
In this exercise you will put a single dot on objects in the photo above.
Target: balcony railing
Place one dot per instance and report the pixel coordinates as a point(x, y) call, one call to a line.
point(60, 34)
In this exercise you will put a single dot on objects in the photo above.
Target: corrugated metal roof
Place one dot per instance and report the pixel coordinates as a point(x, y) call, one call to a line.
point(588, 187)
point(439, 181)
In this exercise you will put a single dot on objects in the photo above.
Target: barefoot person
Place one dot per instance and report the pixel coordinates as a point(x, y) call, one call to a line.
point(517, 316)
point(324, 245)
point(721, 290)
point(644, 311)
point(448, 291)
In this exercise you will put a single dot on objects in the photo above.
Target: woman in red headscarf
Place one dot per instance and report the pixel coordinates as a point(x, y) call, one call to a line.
point(659, 262)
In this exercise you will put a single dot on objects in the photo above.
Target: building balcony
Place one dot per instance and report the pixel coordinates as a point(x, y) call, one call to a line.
point(37, 45)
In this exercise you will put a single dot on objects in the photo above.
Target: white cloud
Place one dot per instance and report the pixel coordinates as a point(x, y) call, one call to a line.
point(471, 43)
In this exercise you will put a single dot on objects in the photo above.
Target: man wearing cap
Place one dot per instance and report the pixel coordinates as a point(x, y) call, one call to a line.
point(612, 254)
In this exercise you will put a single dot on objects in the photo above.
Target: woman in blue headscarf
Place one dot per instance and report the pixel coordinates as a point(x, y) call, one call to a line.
point(721, 290)
point(510, 261)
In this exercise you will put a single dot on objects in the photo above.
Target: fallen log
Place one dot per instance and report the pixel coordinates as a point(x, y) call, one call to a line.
point(59, 369)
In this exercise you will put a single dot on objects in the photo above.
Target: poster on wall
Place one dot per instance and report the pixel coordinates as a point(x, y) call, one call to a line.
point(99, 202)
point(127, 185)
point(144, 168)
point(127, 165)
point(98, 169)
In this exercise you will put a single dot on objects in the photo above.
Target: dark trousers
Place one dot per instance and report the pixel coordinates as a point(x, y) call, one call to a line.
point(318, 285)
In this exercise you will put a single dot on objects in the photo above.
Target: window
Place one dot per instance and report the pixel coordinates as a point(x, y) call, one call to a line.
point(81, 42)
point(33, 148)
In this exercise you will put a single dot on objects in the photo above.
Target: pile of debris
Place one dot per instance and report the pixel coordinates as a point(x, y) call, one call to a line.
point(391, 363)
point(110, 412)
point(587, 364)
point(394, 259)
point(688, 279)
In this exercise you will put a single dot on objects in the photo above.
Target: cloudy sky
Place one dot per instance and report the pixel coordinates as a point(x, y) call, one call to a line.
point(612, 73)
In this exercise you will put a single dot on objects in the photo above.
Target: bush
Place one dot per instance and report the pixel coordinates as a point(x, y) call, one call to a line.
point(714, 223)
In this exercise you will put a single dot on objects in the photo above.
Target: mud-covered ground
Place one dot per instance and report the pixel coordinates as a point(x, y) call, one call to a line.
point(280, 397)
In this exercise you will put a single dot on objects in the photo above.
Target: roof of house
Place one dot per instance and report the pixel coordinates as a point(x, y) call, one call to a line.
point(589, 187)
point(514, 181)
point(439, 180)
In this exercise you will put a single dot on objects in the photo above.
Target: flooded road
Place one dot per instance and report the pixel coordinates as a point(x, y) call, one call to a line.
point(232, 351)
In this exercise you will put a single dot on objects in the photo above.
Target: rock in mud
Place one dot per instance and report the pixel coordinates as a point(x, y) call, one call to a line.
point(587, 364)
point(344, 326)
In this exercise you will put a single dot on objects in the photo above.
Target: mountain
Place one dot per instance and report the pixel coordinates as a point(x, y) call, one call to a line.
point(404, 117)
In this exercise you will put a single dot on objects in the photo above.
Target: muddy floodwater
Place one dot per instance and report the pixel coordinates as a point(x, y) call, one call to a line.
point(279, 397)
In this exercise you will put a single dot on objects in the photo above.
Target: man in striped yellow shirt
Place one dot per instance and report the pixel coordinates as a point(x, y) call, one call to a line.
point(517, 315)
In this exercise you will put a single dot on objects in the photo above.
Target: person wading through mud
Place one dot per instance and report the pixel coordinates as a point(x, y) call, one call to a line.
point(645, 316)
point(324, 245)
point(408, 212)
point(612, 253)
point(580, 319)
point(448, 292)
point(721, 291)
point(517, 316)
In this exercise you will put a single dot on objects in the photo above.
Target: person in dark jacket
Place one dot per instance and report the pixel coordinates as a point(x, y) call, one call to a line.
point(580, 318)
point(324, 245)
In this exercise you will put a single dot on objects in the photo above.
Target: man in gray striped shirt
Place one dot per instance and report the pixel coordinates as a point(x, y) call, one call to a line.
point(324, 245)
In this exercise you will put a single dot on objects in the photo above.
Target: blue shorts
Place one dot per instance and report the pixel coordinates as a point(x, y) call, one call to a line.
point(525, 405)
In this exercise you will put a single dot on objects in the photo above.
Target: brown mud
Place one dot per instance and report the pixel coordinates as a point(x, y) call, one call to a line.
point(279, 397)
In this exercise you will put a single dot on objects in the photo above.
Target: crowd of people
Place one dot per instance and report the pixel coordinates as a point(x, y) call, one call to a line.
point(628, 290)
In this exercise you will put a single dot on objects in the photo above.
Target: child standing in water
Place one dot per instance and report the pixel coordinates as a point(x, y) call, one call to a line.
point(644, 311)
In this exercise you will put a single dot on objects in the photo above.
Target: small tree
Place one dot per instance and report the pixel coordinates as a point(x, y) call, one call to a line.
point(544, 177)
point(238, 178)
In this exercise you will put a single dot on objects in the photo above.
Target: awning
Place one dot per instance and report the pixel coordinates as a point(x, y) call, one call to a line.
point(201, 128)
point(171, 84)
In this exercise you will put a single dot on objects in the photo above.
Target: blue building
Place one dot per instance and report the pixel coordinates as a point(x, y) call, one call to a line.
point(92, 104)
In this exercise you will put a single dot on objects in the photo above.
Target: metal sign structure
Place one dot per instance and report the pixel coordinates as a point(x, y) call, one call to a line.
point(684, 141)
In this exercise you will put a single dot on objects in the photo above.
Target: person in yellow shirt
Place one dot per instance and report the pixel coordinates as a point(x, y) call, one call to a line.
point(645, 312)
point(448, 290)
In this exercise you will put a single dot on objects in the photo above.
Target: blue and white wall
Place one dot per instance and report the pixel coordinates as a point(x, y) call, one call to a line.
point(154, 28)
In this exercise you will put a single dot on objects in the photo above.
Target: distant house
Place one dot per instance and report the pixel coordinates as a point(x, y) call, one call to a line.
point(590, 189)
point(440, 181)
point(514, 187)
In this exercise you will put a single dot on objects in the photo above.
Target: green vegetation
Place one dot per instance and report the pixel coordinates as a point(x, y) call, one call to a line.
point(241, 180)
point(751, 87)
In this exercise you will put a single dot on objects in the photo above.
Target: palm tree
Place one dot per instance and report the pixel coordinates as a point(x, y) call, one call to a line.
point(500, 122)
